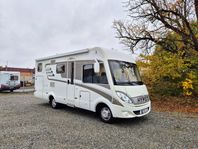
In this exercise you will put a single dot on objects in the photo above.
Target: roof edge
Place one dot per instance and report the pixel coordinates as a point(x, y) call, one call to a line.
point(64, 54)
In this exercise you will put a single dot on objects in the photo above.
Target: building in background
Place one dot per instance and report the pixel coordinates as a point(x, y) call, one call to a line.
point(26, 74)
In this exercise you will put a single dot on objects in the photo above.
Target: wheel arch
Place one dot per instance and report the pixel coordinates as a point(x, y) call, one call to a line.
point(100, 105)
point(50, 97)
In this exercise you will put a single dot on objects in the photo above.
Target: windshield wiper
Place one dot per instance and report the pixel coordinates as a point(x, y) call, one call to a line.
point(130, 83)
point(121, 83)
point(136, 83)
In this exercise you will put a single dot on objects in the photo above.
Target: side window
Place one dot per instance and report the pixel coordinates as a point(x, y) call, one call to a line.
point(90, 77)
point(39, 67)
point(14, 78)
point(88, 73)
point(102, 75)
point(60, 68)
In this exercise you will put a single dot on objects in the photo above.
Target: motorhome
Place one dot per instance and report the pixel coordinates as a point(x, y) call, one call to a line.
point(103, 81)
point(9, 80)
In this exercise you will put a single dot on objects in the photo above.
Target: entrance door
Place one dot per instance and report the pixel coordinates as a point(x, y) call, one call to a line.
point(39, 85)
point(70, 85)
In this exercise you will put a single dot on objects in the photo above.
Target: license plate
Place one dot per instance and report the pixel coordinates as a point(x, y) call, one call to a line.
point(144, 111)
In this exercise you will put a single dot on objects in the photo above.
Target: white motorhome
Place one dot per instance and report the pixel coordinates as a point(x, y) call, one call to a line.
point(103, 81)
point(9, 80)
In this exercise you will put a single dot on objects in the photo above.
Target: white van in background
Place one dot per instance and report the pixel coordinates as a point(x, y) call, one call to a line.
point(103, 81)
point(9, 80)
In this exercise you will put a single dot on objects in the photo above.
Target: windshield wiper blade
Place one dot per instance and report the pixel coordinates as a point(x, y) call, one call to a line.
point(136, 83)
point(130, 83)
point(121, 83)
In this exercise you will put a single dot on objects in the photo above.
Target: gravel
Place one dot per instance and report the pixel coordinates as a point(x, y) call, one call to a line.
point(29, 123)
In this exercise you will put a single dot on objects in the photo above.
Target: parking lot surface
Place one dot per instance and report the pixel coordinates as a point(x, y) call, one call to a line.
point(28, 122)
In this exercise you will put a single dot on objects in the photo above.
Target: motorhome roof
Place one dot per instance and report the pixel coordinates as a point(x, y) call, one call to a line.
point(64, 54)
point(109, 54)
point(14, 72)
point(118, 55)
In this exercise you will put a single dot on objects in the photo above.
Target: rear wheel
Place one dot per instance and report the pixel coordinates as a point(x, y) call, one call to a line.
point(53, 103)
point(106, 115)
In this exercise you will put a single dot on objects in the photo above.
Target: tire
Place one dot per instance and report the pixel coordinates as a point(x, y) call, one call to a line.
point(106, 115)
point(54, 104)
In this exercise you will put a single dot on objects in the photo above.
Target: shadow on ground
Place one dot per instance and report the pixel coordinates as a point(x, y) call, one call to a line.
point(93, 115)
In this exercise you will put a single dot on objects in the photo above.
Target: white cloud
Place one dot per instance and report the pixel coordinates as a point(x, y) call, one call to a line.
point(31, 29)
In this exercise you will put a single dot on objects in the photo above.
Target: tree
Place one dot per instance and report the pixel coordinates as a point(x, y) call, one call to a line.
point(171, 73)
point(196, 7)
point(151, 21)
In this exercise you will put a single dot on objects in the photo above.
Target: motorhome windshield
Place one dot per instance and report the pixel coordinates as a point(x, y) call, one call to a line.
point(124, 73)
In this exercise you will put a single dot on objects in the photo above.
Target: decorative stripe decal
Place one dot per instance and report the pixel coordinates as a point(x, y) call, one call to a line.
point(97, 91)
point(105, 95)
point(116, 102)
point(56, 80)
point(108, 97)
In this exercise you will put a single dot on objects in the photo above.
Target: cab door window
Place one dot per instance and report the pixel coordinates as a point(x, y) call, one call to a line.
point(90, 77)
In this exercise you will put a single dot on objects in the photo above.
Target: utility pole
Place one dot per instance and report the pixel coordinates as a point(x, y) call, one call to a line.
point(6, 65)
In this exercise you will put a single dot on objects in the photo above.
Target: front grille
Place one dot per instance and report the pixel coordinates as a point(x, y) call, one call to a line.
point(140, 99)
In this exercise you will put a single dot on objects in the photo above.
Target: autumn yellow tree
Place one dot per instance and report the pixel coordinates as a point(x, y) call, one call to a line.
point(171, 73)
point(167, 33)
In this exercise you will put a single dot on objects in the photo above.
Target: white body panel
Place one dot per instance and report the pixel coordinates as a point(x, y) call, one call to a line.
point(9, 80)
point(76, 93)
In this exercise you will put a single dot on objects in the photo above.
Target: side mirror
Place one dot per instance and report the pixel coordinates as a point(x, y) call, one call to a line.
point(96, 67)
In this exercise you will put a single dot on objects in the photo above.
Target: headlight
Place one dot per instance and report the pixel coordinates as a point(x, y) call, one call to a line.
point(124, 97)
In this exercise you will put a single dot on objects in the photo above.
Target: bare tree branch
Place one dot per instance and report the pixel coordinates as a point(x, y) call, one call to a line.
point(151, 21)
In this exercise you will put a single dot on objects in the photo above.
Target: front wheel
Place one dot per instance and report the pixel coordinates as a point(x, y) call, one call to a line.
point(106, 115)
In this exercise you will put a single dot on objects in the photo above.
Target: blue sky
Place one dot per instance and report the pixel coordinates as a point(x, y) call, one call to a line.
point(31, 29)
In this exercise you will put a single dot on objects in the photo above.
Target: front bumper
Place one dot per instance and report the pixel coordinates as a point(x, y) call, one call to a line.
point(131, 111)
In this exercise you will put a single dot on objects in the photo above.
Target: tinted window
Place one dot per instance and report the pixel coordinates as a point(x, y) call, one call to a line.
point(90, 77)
point(88, 73)
point(39, 67)
point(14, 78)
point(60, 68)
